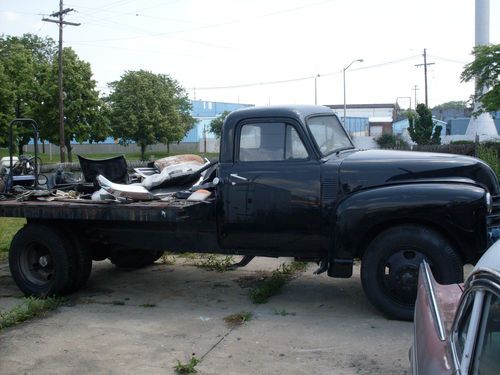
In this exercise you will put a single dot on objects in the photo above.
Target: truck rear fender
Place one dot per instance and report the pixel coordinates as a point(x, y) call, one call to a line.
point(457, 211)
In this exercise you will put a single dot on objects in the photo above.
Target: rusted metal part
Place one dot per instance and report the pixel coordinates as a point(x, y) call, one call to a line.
point(178, 159)
point(175, 210)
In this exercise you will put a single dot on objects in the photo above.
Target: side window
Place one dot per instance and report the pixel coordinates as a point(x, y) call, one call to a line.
point(270, 142)
point(295, 149)
point(488, 341)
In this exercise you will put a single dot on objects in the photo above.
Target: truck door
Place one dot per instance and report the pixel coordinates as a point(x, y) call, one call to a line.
point(271, 191)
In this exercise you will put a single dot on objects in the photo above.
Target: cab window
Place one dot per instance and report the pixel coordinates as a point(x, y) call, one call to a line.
point(270, 142)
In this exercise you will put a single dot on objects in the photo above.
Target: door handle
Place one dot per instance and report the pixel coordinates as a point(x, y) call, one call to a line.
point(238, 177)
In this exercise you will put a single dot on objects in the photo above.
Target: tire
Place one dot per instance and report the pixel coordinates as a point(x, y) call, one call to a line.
point(136, 258)
point(83, 261)
point(42, 261)
point(389, 267)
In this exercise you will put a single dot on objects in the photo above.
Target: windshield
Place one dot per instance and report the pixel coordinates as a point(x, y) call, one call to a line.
point(329, 134)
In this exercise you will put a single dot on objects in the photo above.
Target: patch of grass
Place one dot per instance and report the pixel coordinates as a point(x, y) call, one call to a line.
point(148, 305)
point(188, 255)
point(31, 307)
point(216, 263)
point(187, 368)
point(235, 320)
point(168, 258)
point(283, 312)
point(8, 228)
point(118, 303)
point(273, 284)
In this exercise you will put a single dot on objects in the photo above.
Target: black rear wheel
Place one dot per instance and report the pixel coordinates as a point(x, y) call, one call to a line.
point(42, 261)
point(389, 268)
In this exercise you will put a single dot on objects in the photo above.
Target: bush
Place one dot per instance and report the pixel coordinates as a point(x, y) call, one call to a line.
point(488, 152)
point(390, 141)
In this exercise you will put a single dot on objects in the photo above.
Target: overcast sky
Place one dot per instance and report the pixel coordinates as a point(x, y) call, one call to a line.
point(206, 44)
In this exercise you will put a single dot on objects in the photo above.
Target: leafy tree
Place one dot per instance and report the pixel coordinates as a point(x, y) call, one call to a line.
point(23, 60)
point(451, 105)
point(486, 70)
point(85, 116)
point(148, 108)
point(216, 123)
point(6, 109)
point(422, 129)
point(19, 68)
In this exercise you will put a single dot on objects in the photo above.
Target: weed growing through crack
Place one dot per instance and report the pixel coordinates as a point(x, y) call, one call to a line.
point(215, 263)
point(31, 307)
point(235, 320)
point(168, 258)
point(188, 255)
point(148, 305)
point(272, 285)
point(283, 312)
point(187, 368)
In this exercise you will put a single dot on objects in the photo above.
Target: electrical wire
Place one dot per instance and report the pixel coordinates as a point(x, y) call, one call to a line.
point(304, 78)
point(218, 24)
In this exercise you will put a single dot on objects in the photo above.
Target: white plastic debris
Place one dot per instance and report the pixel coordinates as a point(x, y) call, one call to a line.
point(134, 192)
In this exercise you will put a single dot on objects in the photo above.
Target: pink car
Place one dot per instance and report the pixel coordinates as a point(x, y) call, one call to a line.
point(457, 327)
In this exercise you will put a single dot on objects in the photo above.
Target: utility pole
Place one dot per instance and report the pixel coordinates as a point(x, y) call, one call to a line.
point(425, 74)
point(61, 22)
point(415, 88)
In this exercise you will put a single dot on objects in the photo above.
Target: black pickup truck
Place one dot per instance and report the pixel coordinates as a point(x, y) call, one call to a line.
point(290, 183)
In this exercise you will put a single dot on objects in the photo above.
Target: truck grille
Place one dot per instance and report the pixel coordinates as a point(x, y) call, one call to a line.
point(493, 221)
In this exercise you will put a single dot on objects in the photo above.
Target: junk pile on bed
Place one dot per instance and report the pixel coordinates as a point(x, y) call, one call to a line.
point(188, 177)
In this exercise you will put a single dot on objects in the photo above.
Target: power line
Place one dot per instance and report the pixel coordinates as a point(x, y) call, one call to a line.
point(303, 78)
point(271, 14)
point(60, 21)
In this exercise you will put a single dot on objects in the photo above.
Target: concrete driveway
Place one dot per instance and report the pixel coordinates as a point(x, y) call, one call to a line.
point(143, 321)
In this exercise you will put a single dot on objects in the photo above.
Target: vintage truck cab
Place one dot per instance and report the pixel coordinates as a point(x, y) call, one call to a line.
point(290, 182)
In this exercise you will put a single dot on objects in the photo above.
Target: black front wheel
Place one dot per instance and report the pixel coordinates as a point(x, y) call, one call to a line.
point(389, 268)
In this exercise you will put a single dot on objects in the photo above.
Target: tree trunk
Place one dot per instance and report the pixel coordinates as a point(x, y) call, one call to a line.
point(143, 151)
point(68, 151)
point(168, 147)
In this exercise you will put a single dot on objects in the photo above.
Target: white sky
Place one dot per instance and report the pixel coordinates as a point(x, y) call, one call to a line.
point(214, 43)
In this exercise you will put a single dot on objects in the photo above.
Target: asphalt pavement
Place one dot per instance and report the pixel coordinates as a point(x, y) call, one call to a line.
point(144, 321)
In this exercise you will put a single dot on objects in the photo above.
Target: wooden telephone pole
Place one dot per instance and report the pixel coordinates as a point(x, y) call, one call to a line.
point(61, 22)
point(425, 74)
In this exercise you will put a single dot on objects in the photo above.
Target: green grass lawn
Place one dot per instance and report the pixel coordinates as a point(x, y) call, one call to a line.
point(8, 227)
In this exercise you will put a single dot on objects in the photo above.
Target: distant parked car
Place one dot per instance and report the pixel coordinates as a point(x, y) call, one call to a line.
point(457, 326)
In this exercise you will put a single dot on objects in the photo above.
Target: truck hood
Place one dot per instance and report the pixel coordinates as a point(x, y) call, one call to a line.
point(370, 168)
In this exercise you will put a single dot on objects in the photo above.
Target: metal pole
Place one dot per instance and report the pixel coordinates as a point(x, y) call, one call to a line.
point(345, 106)
point(425, 74)
point(347, 67)
point(60, 84)
point(316, 90)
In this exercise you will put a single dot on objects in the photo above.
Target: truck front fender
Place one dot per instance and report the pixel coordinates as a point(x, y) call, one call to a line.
point(458, 211)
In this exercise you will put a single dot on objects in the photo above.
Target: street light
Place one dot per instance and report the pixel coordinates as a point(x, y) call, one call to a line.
point(347, 67)
point(316, 89)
